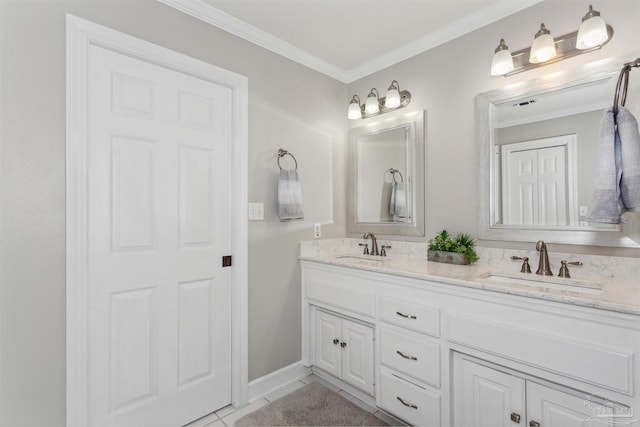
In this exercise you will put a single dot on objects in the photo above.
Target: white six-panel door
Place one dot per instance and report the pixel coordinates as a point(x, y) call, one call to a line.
point(159, 299)
point(539, 182)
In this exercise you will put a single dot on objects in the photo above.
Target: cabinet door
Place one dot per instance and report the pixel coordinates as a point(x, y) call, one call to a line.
point(487, 397)
point(357, 355)
point(327, 339)
point(549, 407)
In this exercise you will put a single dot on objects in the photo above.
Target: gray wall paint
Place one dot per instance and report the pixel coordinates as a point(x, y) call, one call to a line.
point(282, 95)
point(445, 80)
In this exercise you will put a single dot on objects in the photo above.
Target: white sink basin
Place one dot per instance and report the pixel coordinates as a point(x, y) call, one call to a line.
point(370, 260)
point(543, 282)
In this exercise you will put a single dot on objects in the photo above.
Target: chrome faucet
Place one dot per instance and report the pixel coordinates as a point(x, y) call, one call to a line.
point(543, 264)
point(374, 243)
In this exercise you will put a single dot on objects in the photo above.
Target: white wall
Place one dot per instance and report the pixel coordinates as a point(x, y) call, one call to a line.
point(290, 106)
point(445, 80)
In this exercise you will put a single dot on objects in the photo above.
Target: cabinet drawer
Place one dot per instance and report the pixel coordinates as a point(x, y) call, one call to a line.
point(579, 359)
point(417, 317)
point(421, 407)
point(412, 354)
point(341, 296)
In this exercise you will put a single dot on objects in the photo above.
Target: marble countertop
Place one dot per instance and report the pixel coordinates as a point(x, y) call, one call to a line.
point(615, 295)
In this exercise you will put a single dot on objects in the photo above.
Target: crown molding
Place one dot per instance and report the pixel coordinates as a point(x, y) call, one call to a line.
point(216, 17)
point(436, 38)
point(200, 10)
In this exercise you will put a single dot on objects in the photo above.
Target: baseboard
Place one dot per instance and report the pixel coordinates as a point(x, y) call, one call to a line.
point(270, 382)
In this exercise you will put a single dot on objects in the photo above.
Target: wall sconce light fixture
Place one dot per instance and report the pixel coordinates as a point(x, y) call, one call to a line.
point(592, 35)
point(374, 105)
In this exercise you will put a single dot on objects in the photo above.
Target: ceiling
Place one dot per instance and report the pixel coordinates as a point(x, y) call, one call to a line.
point(349, 39)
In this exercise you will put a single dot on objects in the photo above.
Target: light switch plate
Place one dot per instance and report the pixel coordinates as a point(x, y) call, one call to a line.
point(256, 211)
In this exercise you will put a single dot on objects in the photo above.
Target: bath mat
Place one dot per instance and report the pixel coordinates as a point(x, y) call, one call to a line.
point(311, 405)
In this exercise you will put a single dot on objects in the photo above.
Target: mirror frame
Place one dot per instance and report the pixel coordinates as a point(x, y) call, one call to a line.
point(417, 228)
point(588, 73)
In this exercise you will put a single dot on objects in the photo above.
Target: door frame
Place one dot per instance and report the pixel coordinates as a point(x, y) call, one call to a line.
point(81, 35)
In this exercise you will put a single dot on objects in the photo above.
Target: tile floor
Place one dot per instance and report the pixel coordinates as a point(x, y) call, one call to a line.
point(227, 416)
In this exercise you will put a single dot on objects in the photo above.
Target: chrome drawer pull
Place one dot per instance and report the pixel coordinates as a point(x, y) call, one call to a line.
point(405, 356)
point(406, 316)
point(406, 404)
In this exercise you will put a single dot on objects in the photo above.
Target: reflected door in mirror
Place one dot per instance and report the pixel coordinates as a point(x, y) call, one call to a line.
point(539, 183)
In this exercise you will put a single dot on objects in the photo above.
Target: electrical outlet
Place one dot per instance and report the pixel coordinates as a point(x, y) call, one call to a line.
point(584, 210)
point(317, 231)
point(256, 211)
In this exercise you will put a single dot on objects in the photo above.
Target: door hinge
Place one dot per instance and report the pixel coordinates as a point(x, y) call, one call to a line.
point(227, 261)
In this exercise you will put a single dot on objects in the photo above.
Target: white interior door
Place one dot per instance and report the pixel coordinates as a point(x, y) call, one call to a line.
point(521, 189)
point(539, 183)
point(552, 186)
point(159, 301)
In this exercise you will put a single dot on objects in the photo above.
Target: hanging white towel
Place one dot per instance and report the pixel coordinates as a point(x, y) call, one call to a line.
point(289, 195)
point(385, 201)
point(629, 160)
point(398, 206)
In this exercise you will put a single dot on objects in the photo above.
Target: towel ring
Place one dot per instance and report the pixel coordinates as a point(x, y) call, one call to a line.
point(393, 173)
point(623, 83)
point(282, 153)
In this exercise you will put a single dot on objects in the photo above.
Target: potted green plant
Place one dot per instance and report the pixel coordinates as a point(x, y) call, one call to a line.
point(452, 250)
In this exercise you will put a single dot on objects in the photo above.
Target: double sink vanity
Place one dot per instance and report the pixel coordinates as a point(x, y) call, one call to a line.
point(484, 344)
point(441, 344)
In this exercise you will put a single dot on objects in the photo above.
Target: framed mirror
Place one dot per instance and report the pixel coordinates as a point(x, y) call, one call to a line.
point(386, 176)
point(538, 154)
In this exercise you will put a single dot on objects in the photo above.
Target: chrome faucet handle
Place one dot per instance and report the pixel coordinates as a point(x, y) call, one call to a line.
point(366, 248)
point(525, 263)
point(564, 271)
point(383, 251)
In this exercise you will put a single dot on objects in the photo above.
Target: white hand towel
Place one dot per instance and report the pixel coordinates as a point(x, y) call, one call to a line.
point(385, 201)
point(605, 204)
point(630, 160)
point(289, 195)
point(398, 206)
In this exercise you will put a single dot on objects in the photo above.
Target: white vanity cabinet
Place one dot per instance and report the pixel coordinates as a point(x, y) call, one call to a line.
point(448, 354)
point(344, 348)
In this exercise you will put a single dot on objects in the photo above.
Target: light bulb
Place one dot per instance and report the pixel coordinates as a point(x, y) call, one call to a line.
point(543, 47)
point(372, 106)
point(392, 99)
point(502, 62)
point(592, 31)
point(355, 111)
